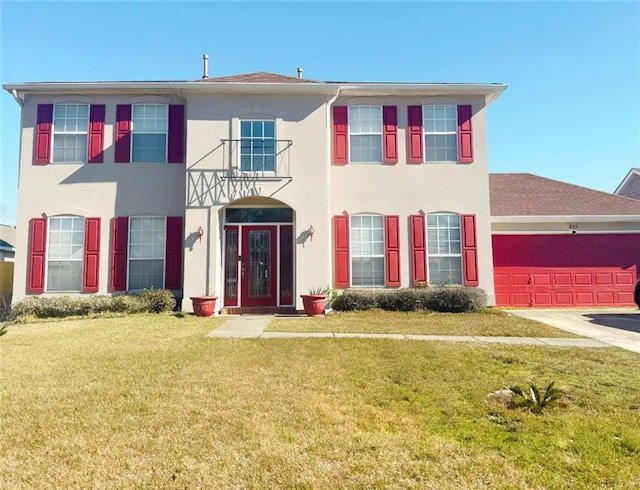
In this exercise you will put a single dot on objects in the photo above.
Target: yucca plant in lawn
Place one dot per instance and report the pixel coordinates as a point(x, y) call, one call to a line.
point(536, 399)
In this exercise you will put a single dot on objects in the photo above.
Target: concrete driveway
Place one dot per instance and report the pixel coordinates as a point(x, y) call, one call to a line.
point(615, 326)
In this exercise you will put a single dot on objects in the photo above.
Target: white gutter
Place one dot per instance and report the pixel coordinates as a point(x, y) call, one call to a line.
point(631, 218)
point(18, 99)
point(329, 260)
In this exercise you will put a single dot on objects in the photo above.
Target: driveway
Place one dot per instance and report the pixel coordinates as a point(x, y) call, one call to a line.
point(615, 326)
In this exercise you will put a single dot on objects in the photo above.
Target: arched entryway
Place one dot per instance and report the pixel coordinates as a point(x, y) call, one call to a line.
point(258, 254)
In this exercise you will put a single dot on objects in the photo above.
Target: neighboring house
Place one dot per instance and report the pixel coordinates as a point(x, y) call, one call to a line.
point(7, 243)
point(254, 187)
point(630, 185)
point(558, 244)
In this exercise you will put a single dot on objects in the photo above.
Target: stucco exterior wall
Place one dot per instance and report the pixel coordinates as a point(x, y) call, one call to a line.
point(100, 190)
point(405, 189)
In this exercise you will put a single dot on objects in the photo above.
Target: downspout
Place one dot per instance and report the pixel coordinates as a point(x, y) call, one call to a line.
point(328, 176)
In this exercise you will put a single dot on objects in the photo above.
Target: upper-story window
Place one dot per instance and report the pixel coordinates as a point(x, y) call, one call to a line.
point(70, 124)
point(367, 250)
point(65, 253)
point(149, 133)
point(257, 146)
point(365, 134)
point(440, 123)
point(147, 252)
point(444, 248)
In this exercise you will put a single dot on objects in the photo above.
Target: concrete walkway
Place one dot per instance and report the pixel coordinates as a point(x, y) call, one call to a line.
point(247, 327)
point(613, 326)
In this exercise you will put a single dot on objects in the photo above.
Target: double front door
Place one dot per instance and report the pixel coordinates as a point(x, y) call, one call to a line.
point(258, 265)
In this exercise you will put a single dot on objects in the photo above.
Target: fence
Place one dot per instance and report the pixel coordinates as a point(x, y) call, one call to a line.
point(6, 277)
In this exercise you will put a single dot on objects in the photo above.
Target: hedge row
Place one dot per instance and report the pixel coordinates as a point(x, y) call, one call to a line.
point(148, 300)
point(448, 299)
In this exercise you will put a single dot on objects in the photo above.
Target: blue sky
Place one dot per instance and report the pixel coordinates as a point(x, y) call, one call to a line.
point(571, 112)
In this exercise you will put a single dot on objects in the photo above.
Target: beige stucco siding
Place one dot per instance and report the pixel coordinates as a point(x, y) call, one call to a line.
point(90, 190)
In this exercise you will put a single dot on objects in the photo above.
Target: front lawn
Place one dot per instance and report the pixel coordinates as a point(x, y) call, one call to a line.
point(492, 323)
point(152, 402)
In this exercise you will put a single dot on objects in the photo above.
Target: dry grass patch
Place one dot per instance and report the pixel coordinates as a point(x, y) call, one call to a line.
point(485, 323)
point(152, 402)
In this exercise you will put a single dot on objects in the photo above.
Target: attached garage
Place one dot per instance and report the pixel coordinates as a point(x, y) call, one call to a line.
point(561, 245)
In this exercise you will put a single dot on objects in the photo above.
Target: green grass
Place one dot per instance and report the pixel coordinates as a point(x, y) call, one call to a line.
point(152, 402)
point(493, 323)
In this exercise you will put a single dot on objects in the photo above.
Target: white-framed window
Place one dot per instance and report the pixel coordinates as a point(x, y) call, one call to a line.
point(367, 250)
point(70, 129)
point(65, 253)
point(440, 123)
point(257, 146)
point(147, 239)
point(149, 128)
point(365, 134)
point(444, 248)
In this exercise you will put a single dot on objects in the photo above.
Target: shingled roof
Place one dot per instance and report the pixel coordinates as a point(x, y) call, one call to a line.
point(532, 195)
point(258, 77)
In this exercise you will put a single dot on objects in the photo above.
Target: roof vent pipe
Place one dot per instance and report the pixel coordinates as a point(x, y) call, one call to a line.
point(299, 72)
point(205, 66)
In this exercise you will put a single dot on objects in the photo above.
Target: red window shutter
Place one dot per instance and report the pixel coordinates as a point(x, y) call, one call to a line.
point(173, 253)
point(465, 136)
point(340, 135)
point(119, 248)
point(175, 146)
point(341, 249)
point(96, 133)
point(418, 249)
point(123, 134)
point(37, 254)
point(469, 250)
point(43, 134)
point(392, 250)
point(390, 133)
point(91, 273)
point(414, 134)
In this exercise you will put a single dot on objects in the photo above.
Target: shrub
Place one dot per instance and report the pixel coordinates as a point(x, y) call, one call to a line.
point(148, 300)
point(449, 299)
point(536, 399)
point(452, 299)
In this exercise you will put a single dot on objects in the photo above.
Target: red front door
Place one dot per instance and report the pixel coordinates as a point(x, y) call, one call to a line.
point(258, 266)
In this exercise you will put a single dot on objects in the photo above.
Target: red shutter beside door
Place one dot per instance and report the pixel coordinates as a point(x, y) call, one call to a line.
point(469, 250)
point(175, 146)
point(123, 134)
point(392, 250)
point(173, 253)
point(341, 251)
point(91, 273)
point(418, 249)
point(340, 135)
point(43, 136)
point(414, 134)
point(465, 136)
point(37, 255)
point(390, 134)
point(119, 247)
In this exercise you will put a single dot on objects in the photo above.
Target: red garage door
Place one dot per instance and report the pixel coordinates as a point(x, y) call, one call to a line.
point(565, 270)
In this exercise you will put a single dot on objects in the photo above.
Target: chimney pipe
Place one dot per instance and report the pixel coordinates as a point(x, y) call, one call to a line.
point(205, 67)
point(299, 72)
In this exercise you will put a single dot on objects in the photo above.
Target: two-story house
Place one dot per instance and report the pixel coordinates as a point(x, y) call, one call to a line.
point(253, 187)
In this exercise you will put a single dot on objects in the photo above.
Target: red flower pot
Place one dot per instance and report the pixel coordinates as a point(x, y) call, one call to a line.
point(203, 305)
point(313, 303)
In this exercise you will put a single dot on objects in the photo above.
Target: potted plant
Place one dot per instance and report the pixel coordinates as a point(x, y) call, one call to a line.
point(204, 305)
point(314, 302)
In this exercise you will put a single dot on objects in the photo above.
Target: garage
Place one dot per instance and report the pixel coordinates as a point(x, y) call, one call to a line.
point(561, 245)
point(565, 270)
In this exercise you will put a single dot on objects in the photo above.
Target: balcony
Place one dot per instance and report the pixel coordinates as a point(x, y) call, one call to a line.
point(257, 159)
